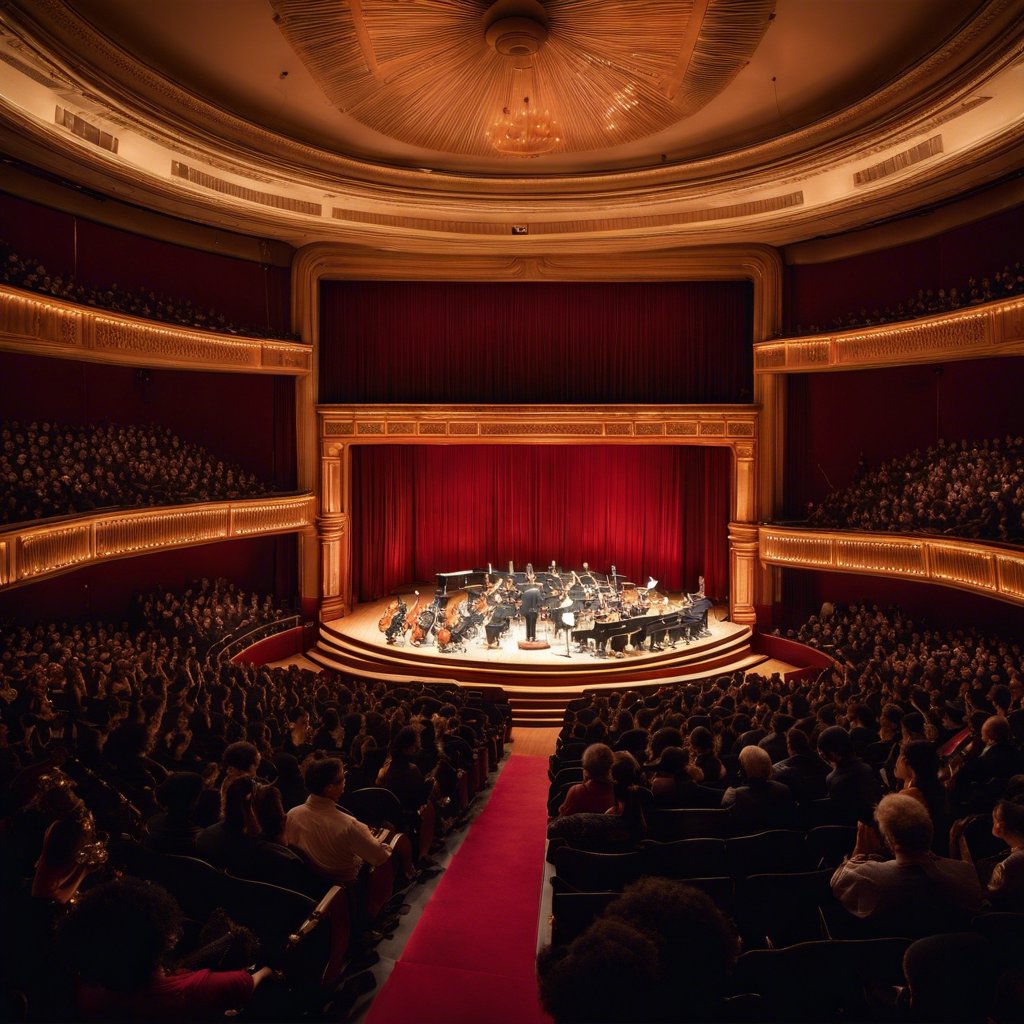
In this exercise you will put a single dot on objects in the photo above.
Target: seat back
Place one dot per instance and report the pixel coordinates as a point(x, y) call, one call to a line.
point(827, 845)
point(316, 953)
point(593, 872)
point(574, 912)
point(374, 805)
point(774, 851)
point(689, 823)
point(196, 885)
point(571, 774)
point(782, 909)
point(822, 980)
point(271, 912)
point(684, 858)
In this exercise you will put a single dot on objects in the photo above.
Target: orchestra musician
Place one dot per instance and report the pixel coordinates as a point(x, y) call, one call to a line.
point(497, 623)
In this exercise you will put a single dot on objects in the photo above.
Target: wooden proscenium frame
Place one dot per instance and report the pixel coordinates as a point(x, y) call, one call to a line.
point(753, 433)
point(341, 428)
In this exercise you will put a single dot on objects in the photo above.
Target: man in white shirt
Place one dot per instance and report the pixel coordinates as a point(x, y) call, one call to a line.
point(913, 893)
point(334, 843)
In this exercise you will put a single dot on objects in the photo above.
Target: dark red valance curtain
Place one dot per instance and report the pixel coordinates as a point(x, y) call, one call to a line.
point(538, 342)
point(650, 511)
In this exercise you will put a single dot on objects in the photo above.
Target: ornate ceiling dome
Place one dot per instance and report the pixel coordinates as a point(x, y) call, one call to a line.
point(442, 75)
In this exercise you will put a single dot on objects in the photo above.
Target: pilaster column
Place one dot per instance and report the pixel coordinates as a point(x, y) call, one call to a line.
point(333, 529)
point(743, 572)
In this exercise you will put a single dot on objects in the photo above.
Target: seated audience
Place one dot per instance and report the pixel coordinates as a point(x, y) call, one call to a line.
point(676, 782)
point(173, 828)
point(624, 823)
point(26, 272)
point(851, 784)
point(972, 489)
point(1005, 886)
point(914, 892)
point(1001, 284)
point(52, 469)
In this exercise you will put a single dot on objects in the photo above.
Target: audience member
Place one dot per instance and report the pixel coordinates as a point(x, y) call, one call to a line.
point(913, 893)
point(594, 793)
point(761, 803)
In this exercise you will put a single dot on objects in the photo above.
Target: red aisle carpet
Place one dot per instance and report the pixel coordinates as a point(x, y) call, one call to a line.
point(471, 957)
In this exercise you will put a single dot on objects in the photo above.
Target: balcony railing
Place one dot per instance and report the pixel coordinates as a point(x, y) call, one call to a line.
point(32, 552)
point(989, 569)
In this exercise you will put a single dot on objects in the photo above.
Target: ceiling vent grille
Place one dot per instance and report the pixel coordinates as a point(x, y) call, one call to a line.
point(249, 195)
point(85, 130)
point(899, 161)
point(754, 208)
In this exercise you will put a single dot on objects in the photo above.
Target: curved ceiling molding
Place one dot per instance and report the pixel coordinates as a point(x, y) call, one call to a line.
point(441, 77)
point(186, 148)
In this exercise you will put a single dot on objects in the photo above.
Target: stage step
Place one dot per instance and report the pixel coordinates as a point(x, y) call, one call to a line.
point(538, 697)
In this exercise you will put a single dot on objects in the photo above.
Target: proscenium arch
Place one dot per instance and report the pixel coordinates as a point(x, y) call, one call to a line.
point(325, 434)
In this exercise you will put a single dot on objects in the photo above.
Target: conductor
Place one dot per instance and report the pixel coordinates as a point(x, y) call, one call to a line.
point(530, 608)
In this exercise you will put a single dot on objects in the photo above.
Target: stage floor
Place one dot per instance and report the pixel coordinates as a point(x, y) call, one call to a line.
point(537, 683)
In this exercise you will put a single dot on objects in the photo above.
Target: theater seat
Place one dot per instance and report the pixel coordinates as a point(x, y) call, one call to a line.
point(684, 858)
point(774, 851)
point(819, 981)
point(593, 872)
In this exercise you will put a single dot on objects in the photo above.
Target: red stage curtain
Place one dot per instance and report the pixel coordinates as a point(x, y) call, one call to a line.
point(539, 342)
point(660, 511)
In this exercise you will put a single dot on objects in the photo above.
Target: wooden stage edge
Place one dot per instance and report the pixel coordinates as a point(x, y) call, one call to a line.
point(539, 684)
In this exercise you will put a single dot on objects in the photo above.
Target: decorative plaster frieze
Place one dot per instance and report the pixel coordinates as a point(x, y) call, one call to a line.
point(994, 329)
point(33, 552)
point(966, 565)
point(39, 325)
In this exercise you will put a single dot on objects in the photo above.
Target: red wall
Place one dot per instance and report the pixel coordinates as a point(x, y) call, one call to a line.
point(108, 590)
point(242, 418)
point(251, 294)
point(834, 417)
point(817, 293)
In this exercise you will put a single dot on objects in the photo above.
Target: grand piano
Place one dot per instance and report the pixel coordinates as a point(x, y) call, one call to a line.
point(612, 638)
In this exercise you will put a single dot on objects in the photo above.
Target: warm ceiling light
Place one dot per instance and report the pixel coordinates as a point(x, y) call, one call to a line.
point(517, 29)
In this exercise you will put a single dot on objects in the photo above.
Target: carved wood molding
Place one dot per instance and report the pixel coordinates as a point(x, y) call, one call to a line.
point(965, 565)
point(328, 261)
point(977, 332)
point(30, 553)
point(34, 324)
point(529, 424)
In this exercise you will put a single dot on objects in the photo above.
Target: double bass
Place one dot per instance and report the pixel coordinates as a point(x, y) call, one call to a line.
point(410, 619)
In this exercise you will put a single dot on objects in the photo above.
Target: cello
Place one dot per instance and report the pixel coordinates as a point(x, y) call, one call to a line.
point(389, 614)
point(451, 620)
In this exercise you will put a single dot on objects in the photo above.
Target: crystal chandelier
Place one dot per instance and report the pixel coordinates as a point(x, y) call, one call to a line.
point(516, 30)
point(523, 128)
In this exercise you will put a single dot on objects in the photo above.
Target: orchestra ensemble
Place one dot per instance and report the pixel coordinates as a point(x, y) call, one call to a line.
point(602, 614)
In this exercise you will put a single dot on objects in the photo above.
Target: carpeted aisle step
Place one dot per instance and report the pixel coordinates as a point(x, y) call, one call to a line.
point(471, 957)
